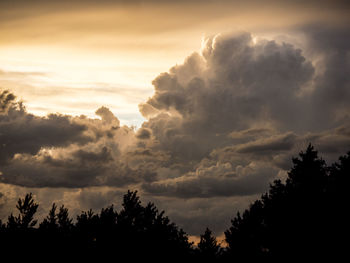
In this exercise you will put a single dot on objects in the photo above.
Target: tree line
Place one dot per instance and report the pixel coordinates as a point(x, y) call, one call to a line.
point(305, 216)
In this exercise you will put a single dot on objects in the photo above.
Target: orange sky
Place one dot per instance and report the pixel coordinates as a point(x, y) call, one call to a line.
point(73, 57)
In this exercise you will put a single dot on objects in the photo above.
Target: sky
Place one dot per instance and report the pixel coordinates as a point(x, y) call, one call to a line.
point(198, 105)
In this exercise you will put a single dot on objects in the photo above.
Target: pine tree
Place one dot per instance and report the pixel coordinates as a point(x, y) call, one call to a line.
point(208, 246)
point(64, 222)
point(27, 208)
point(291, 220)
point(50, 222)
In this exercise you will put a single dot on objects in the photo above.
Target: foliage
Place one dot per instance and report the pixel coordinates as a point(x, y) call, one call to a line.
point(208, 247)
point(305, 216)
point(27, 208)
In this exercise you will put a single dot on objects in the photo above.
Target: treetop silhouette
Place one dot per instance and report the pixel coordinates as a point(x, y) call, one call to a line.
point(27, 208)
point(208, 246)
point(305, 216)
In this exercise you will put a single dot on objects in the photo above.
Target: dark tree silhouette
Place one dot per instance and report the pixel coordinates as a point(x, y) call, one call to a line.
point(57, 221)
point(20, 237)
point(64, 222)
point(208, 247)
point(87, 229)
point(106, 234)
point(135, 232)
point(50, 222)
point(304, 217)
point(27, 208)
point(149, 231)
point(338, 206)
point(295, 219)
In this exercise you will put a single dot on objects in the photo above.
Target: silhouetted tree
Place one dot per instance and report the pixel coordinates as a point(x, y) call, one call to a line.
point(294, 219)
point(106, 234)
point(308, 175)
point(2, 226)
point(64, 222)
point(307, 215)
point(339, 177)
point(148, 231)
point(20, 237)
point(131, 215)
point(27, 208)
point(338, 204)
point(108, 217)
point(87, 227)
point(208, 247)
point(50, 222)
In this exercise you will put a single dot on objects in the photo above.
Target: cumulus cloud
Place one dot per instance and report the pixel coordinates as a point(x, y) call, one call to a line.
point(195, 214)
point(236, 102)
point(221, 126)
point(248, 81)
point(6, 100)
point(232, 86)
point(21, 132)
point(220, 179)
point(107, 116)
point(144, 134)
point(277, 143)
point(235, 98)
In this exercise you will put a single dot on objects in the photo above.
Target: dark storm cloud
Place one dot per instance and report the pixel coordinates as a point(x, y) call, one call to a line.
point(107, 116)
point(322, 37)
point(250, 133)
point(45, 171)
point(333, 142)
point(195, 214)
point(343, 130)
point(219, 128)
point(144, 134)
point(328, 95)
point(21, 132)
point(70, 152)
point(231, 87)
point(332, 95)
point(278, 143)
point(104, 156)
point(239, 103)
point(6, 100)
point(95, 199)
point(82, 153)
point(215, 181)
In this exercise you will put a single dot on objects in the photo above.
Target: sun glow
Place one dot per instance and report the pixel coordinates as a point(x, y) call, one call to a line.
point(77, 82)
point(69, 60)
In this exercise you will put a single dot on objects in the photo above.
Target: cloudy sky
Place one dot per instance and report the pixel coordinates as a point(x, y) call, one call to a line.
point(198, 105)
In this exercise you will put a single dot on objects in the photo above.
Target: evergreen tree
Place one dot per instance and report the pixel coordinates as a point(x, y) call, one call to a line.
point(308, 175)
point(208, 246)
point(27, 208)
point(338, 207)
point(64, 222)
point(305, 216)
point(50, 222)
point(149, 231)
point(294, 219)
